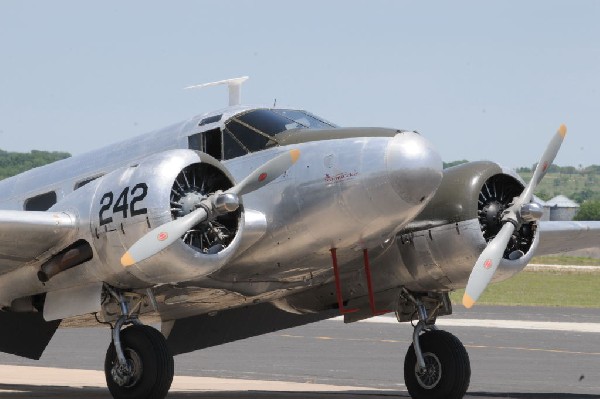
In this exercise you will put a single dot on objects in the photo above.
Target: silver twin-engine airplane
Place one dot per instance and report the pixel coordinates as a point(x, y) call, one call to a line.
point(248, 220)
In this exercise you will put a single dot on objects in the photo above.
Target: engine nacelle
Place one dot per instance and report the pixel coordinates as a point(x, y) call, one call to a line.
point(130, 202)
point(441, 246)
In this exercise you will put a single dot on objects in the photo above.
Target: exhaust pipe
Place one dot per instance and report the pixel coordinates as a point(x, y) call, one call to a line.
point(72, 256)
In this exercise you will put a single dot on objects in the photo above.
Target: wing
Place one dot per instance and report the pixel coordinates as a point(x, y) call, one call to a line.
point(558, 237)
point(26, 235)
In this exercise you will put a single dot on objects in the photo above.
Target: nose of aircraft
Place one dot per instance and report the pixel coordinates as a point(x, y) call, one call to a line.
point(414, 167)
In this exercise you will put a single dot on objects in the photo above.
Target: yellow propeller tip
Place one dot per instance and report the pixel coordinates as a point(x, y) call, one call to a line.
point(295, 155)
point(127, 260)
point(562, 130)
point(468, 302)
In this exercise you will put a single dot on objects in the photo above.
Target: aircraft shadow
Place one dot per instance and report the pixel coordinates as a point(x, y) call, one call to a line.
point(52, 392)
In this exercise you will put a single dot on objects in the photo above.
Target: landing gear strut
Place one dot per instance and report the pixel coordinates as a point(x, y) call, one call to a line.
point(138, 362)
point(436, 365)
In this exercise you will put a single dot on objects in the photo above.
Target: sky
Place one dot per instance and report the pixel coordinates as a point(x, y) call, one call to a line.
point(480, 80)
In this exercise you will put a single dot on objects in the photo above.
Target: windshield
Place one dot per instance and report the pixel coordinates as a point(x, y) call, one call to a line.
point(258, 129)
point(274, 121)
point(302, 119)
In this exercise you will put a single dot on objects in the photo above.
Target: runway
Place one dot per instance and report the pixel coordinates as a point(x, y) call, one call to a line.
point(333, 360)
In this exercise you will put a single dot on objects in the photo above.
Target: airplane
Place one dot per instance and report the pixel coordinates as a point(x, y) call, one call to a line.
point(248, 220)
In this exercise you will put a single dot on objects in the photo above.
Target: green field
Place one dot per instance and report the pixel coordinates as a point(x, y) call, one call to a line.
point(578, 187)
point(543, 288)
point(565, 260)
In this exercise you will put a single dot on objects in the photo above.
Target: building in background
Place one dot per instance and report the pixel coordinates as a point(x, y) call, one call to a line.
point(560, 208)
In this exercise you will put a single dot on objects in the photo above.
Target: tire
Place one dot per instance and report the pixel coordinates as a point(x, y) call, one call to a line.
point(444, 351)
point(147, 349)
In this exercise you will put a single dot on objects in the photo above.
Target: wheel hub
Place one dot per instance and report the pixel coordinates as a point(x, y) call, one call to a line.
point(128, 375)
point(429, 377)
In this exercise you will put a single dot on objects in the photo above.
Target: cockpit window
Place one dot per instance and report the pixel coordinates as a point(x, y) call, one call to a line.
point(232, 147)
point(302, 119)
point(257, 129)
point(265, 121)
point(252, 140)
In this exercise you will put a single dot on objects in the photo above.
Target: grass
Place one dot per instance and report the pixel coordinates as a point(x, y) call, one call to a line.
point(543, 288)
point(565, 260)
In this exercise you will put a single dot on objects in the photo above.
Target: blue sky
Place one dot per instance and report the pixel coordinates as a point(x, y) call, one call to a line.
point(481, 80)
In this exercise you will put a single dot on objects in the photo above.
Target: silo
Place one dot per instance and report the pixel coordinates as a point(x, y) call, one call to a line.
point(562, 208)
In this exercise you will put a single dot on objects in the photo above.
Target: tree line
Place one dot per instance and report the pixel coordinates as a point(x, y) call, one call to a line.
point(13, 163)
point(567, 170)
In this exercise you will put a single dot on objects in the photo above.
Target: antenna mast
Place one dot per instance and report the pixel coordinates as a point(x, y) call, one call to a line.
point(234, 85)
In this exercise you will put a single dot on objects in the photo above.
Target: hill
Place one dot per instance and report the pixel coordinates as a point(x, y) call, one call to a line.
point(580, 187)
point(580, 184)
point(12, 163)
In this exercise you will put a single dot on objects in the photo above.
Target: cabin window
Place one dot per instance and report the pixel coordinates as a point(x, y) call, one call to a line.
point(41, 202)
point(195, 142)
point(85, 181)
point(210, 119)
point(209, 142)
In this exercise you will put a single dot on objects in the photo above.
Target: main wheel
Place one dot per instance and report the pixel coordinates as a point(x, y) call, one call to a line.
point(448, 370)
point(151, 364)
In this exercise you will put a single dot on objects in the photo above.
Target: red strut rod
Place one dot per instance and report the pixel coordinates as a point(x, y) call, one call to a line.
point(338, 285)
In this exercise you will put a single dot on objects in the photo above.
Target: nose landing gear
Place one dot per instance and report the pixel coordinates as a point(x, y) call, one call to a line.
point(138, 362)
point(437, 364)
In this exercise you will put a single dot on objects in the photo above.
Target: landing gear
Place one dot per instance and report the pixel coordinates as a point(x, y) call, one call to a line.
point(138, 362)
point(436, 365)
point(447, 371)
point(150, 368)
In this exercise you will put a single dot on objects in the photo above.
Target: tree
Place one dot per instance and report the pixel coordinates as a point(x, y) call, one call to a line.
point(12, 163)
point(583, 196)
point(589, 210)
point(543, 195)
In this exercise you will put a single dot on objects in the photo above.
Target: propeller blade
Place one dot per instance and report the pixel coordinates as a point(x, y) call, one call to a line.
point(161, 237)
point(543, 165)
point(486, 265)
point(266, 173)
point(490, 258)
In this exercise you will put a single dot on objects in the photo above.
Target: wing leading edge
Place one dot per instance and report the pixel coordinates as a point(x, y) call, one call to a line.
point(26, 235)
point(558, 237)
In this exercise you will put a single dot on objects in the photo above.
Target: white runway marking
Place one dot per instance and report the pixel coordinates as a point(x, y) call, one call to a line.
point(492, 323)
point(544, 267)
point(55, 377)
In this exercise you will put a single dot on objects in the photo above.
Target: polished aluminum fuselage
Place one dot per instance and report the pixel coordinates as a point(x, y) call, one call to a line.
point(349, 193)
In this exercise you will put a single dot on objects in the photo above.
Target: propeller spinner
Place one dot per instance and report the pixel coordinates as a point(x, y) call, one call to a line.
point(512, 218)
point(209, 208)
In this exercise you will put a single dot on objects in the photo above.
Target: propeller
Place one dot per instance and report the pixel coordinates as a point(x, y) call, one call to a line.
point(490, 258)
point(209, 208)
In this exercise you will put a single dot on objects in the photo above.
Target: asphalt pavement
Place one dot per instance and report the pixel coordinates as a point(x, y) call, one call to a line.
point(366, 359)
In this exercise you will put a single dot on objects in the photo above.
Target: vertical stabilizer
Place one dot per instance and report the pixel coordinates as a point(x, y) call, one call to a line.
point(234, 85)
